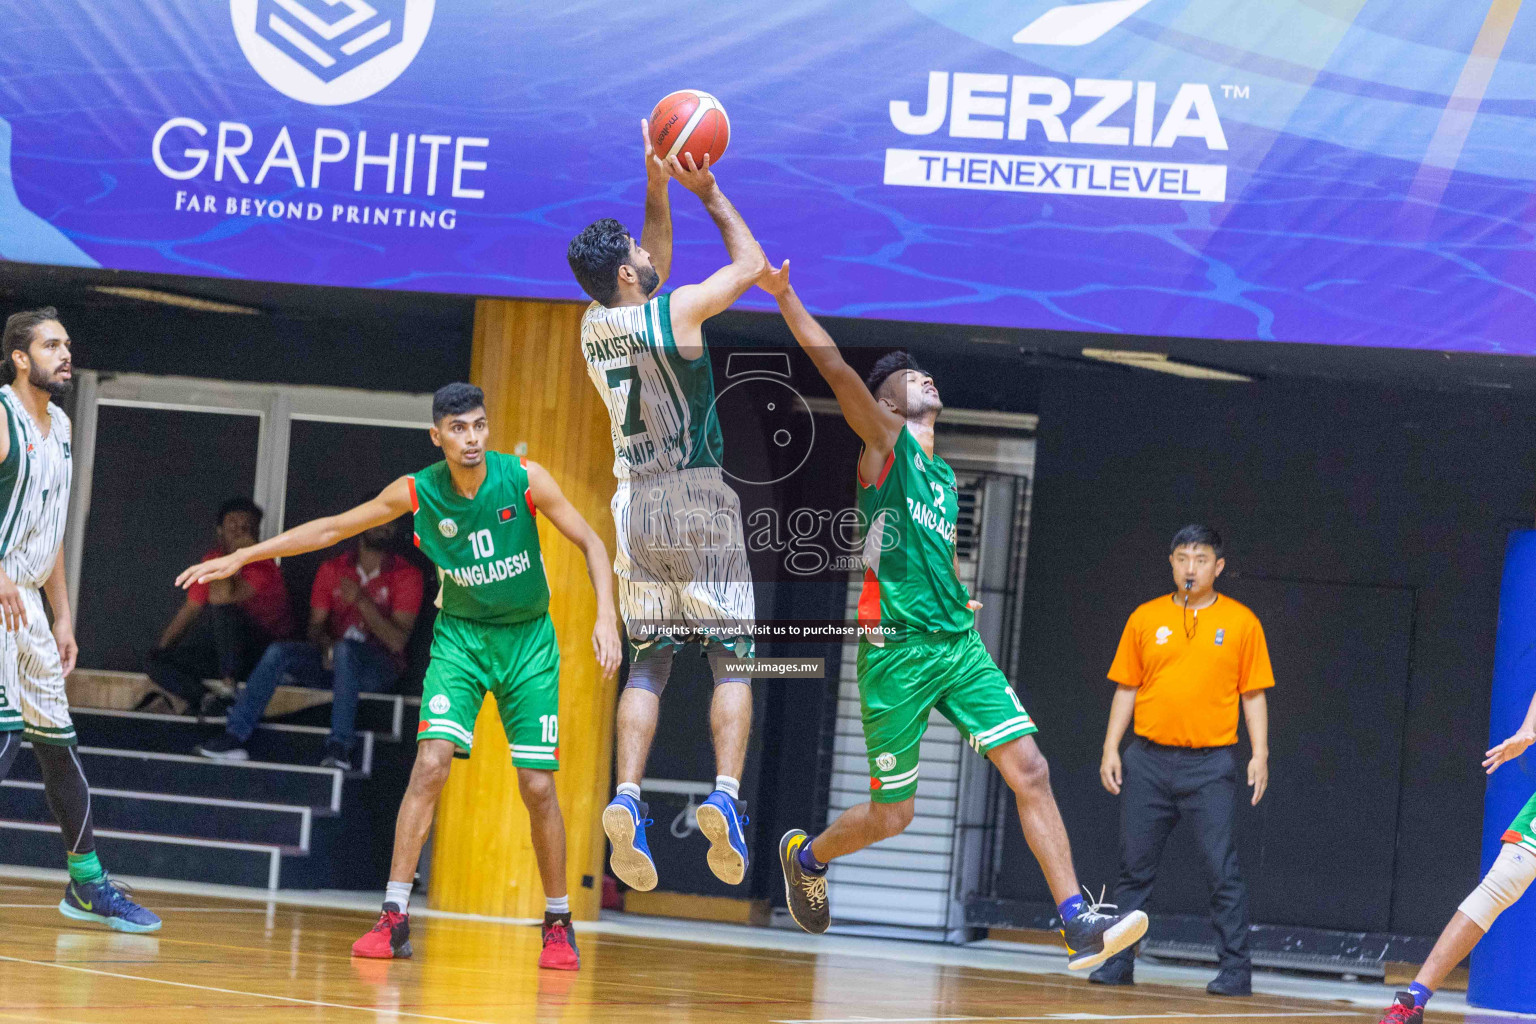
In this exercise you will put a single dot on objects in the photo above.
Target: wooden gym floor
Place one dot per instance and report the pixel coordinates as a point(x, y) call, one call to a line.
point(232, 961)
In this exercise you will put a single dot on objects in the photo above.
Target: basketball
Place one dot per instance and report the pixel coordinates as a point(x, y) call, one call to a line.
point(690, 121)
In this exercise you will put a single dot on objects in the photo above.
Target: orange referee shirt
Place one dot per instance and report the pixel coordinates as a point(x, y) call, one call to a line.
point(1189, 686)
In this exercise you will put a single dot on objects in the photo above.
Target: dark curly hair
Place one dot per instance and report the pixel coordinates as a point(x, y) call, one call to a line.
point(18, 336)
point(887, 365)
point(596, 255)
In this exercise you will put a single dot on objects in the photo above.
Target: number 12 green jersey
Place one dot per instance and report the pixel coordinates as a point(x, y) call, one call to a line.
point(910, 583)
point(486, 548)
point(661, 406)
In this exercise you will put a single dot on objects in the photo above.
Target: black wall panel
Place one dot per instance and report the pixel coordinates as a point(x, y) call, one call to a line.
point(333, 466)
point(1367, 527)
point(160, 476)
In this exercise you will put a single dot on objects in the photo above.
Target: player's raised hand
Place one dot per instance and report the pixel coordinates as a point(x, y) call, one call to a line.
point(1510, 749)
point(12, 612)
point(698, 180)
point(213, 569)
point(607, 645)
point(774, 280)
point(656, 172)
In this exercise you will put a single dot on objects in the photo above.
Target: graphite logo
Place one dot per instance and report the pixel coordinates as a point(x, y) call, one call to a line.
point(1077, 24)
point(330, 52)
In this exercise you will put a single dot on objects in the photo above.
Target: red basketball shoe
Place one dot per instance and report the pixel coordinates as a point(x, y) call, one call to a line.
point(559, 952)
point(1404, 1010)
point(391, 937)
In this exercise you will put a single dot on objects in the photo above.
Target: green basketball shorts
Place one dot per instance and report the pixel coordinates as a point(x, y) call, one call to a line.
point(900, 684)
point(517, 663)
point(1523, 831)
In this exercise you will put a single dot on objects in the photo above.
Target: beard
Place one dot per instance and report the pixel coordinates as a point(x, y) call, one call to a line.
point(45, 382)
point(920, 402)
point(650, 280)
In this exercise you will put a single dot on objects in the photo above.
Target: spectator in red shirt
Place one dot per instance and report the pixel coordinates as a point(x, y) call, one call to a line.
point(220, 631)
point(361, 612)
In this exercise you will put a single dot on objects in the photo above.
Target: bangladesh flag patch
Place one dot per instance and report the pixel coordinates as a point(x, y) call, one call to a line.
point(507, 514)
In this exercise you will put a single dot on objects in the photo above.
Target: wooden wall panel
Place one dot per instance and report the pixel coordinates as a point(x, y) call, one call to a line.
point(540, 403)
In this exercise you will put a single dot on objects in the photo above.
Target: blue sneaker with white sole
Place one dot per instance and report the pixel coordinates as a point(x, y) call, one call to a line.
point(624, 820)
point(106, 902)
point(721, 821)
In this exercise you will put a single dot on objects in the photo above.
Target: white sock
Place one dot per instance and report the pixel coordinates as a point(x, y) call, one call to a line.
point(630, 790)
point(399, 893)
point(729, 786)
point(557, 906)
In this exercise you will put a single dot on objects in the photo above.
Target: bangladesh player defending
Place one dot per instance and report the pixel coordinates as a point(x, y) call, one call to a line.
point(475, 519)
point(1509, 878)
point(681, 558)
point(35, 469)
point(919, 649)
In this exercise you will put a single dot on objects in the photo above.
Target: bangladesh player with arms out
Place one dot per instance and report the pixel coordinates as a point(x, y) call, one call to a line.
point(1506, 882)
point(474, 515)
point(681, 558)
point(919, 649)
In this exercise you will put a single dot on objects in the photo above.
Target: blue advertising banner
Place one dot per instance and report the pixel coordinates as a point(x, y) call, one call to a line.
point(1340, 171)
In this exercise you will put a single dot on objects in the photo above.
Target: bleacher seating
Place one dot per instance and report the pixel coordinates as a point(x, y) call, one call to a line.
point(275, 821)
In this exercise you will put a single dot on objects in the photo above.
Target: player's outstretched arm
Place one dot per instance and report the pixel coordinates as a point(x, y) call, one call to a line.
point(550, 500)
point(877, 425)
point(656, 233)
point(392, 503)
point(693, 304)
point(1516, 745)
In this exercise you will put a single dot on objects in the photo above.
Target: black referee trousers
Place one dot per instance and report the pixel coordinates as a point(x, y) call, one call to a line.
point(1162, 786)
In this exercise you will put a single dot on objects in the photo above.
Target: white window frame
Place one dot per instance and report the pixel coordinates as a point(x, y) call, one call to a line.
point(276, 407)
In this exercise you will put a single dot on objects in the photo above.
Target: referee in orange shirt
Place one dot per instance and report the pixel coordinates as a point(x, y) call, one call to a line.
point(1186, 662)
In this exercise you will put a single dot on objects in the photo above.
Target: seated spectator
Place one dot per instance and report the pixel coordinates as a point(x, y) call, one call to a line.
point(361, 612)
point(222, 628)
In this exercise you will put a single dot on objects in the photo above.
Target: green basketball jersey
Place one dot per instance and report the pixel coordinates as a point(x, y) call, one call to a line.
point(661, 407)
point(486, 548)
point(909, 546)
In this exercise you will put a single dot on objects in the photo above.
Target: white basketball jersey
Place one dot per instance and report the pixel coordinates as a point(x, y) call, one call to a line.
point(34, 492)
point(661, 407)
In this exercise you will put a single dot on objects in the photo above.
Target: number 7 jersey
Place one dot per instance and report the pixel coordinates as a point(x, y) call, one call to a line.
point(661, 407)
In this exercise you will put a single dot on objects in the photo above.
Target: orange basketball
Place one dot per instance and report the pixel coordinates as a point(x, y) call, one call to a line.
point(690, 121)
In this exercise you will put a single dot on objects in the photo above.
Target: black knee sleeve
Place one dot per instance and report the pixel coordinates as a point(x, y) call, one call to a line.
point(723, 675)
point(10, 746)
point(651, 672)
point(69, 796)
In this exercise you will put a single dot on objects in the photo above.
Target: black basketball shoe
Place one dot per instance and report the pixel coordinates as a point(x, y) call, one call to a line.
point(1094, 936)
point(806, 893)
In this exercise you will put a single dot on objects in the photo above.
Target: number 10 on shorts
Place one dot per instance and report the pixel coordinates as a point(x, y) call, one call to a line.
point(549, 728)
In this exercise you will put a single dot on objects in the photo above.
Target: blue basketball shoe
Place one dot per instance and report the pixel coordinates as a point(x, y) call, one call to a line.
point(721, 821)
point(106, 902)
point(624, 819)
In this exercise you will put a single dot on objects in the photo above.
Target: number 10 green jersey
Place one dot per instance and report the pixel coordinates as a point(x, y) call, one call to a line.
point(486, 548)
